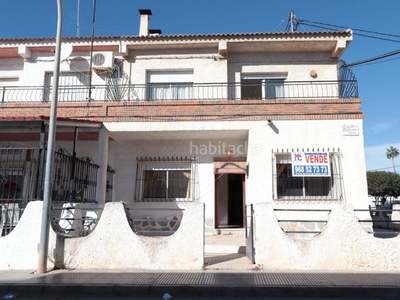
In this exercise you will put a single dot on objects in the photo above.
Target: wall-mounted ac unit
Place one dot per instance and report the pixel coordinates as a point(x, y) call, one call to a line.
point(103, 61)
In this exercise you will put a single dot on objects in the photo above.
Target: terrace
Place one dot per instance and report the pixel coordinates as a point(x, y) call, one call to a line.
point(248, 90)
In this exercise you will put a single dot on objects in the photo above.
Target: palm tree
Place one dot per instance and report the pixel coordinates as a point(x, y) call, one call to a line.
point(391, 153)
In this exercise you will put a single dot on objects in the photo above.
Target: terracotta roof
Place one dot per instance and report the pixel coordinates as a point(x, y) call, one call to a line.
point(161, 36)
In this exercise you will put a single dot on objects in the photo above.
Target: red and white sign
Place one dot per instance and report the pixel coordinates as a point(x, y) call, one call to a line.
point(311, 164)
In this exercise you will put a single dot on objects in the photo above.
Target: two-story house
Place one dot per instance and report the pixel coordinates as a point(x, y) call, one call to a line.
point(224, 119)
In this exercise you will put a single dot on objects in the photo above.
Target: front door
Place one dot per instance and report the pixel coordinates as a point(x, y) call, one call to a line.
point(229, 200)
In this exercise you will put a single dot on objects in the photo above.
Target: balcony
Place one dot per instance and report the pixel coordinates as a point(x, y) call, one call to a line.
point(279, 90)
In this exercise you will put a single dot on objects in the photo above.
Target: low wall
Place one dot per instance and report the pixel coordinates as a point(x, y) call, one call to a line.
point(114, 245)
point(19, 249)
point(342, 245)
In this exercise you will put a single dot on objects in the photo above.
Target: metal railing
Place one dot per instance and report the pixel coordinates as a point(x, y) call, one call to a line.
point(75, 178)
point(74, 184)
point(74, 220)
point(309, 222)
point(155, 221)
point(18, 183)
point(381, 222)
point(194, 91)
point(306, 223)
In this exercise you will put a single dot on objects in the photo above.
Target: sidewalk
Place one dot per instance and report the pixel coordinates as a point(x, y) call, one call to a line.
point(227, 273)
point(224, 283)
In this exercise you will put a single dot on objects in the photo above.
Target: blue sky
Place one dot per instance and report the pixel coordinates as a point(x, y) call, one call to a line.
point(379, 82)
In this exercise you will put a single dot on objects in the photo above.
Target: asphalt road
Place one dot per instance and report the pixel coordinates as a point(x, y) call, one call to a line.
point(162, 297)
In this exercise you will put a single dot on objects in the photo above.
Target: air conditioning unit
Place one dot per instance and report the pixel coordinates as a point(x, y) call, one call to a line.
point(103, 61)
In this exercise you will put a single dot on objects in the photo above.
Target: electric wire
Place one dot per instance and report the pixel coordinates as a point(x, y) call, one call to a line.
point(344, 27)
point(363, 62)
point(374, 63)
point(360, 62)
point(358, 34)
point(391, 167)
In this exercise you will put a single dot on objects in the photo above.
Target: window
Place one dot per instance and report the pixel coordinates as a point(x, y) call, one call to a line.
point(167, 184)
point(9, 90)
point(289, 186)
point(176, 85)
point(268, 86)
point(8, 81)
point(165, 180)
point(73, 86)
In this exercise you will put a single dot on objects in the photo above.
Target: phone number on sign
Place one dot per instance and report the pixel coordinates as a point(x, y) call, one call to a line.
point(320, 170)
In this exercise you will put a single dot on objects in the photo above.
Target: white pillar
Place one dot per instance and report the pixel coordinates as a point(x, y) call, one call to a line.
point(102, 158)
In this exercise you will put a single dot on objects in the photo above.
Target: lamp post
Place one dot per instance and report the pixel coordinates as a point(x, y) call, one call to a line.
point(45, 226)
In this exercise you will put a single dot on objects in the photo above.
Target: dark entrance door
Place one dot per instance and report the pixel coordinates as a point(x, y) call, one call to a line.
point(229, 198)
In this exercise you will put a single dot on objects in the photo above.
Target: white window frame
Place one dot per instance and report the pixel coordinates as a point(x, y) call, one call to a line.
point(272, 85)
point(336, 191)
point(6, 81)
point(73, 86)
point(170, 85)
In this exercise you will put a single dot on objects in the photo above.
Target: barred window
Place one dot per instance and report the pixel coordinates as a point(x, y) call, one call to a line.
point(171, 179)
point(288, 186)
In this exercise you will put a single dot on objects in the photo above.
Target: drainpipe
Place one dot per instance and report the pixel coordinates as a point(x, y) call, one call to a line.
point(44, 233)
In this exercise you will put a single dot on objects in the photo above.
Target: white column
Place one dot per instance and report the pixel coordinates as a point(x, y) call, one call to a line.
point(102, 158)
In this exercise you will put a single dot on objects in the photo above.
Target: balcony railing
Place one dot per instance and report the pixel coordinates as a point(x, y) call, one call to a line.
point(185, 91)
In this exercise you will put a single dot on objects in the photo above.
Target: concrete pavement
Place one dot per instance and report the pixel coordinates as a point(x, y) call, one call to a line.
point(203, 283)
point(227, 274)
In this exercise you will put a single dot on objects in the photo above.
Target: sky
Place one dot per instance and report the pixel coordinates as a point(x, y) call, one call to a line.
point(375, 25)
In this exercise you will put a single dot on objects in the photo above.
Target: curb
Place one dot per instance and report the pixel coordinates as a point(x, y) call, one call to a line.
point(231, 291)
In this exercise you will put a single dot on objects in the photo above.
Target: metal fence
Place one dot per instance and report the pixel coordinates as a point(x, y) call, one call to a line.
point(74, 219)
point(19, 173)
point(382, 223)
point(345, 89)
point(155, 221)
point(305, 223)
point(75, 179)
point(302, 223)
point(22, 180)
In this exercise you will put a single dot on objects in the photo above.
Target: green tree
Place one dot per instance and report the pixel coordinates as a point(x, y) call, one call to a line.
point(383, 184)
point(392, 153)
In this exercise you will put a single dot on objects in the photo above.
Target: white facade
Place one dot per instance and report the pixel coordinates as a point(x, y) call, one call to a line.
point(258, 141)
point(238, 150)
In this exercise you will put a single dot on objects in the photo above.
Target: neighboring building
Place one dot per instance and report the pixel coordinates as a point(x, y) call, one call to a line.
point(216, 118)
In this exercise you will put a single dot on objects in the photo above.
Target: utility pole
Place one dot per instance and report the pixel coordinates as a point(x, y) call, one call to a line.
point(45, 227)
point(91, 50)
point(292, 23)
point(291, 20)
point(78, 18)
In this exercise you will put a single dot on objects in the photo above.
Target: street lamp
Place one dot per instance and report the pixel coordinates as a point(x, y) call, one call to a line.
point(45, 226)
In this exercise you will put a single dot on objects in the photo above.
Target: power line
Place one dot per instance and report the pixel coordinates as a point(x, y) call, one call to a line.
point(365, 61)
point(374, 58)
point(373, 63)
point(344, 27)
point(383, 168)
point(355, 33)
